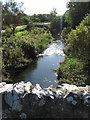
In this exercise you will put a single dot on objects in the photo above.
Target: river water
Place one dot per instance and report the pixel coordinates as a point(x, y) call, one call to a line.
point(43, 71)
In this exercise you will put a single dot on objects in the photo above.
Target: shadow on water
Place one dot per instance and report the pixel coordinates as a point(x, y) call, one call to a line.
point(30, 68)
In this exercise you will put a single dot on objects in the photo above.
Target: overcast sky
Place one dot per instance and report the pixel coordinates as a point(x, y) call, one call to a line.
point(43, 6)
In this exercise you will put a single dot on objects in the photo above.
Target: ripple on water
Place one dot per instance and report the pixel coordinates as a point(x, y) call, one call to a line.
point(55, 48)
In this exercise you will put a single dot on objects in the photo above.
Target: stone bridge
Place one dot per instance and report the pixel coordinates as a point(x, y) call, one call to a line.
point(24, 100)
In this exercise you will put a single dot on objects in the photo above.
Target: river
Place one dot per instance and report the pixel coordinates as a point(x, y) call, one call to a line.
point(43, 71)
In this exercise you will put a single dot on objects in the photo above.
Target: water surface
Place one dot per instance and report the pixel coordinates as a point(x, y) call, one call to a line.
point(43, 71)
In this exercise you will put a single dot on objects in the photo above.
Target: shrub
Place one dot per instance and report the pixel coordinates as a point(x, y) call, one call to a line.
point(72, 71)
point(78, 41)
point(76, 67)
point(21, 49)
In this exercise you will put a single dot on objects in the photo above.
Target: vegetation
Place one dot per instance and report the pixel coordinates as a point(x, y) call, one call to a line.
point(12, 14)
point(21, 45)
point(22, 49)
point(24, 37)
point(74, 15)
point(76, 67)
point(72, 71)
point(55, 25)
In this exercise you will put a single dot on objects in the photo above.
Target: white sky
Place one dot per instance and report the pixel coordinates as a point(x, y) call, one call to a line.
point(43, 6)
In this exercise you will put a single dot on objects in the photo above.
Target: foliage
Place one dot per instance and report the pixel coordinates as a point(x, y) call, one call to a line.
point(44, 17)
point(25, 19)
point(65, 32)
point(78, 41)
point(76, 67)
point(55, 25)
point(76, 12)
point(72, 71)
point(21, 49)
point(40, 18)
point(53, 14)
point(11, 13)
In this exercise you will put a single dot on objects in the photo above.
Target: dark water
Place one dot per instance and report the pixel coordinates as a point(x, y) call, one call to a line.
point(43, 70)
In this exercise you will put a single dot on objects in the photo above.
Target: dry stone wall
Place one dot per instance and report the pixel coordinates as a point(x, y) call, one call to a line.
point(24, 100)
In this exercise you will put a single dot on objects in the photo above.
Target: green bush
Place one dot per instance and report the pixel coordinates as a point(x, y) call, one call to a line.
point(76, 67)
point(72, 71)
point(65, 32)
point(55, 25)
point(21, 49)
point(7, 32)
point(78, 41)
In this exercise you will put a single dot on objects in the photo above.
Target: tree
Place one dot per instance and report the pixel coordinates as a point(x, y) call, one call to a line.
point(55, 25)
point(53, 14)
point(12, 14)
point(76, 12)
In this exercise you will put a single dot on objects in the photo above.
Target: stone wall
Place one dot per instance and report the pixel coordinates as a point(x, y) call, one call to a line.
point(23, 100)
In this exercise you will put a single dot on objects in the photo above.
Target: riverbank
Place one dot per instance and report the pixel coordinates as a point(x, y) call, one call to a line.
point(28, 101)
point(11, 74)
point(21, 50)
point(76, 67)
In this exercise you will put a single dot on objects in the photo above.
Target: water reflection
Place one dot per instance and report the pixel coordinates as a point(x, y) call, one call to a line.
point(21, 76)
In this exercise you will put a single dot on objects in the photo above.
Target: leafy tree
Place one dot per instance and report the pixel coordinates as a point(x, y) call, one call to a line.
point(34, 18)
point(76, 12)
point(55, 25)
point(26, 19)
point(12, 14)
point(78, 41)
point(53, 12)
point(21, 49)
point(76, 67)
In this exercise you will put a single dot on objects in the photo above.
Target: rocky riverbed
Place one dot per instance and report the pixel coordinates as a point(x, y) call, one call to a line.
point(24, 100)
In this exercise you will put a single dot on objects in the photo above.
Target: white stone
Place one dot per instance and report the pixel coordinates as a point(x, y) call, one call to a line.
point(14, 93)
point(2, 84)
point(27, 87)
point(36, 92)
point(69, 99)
point(19, 89)
point(69, 88)
point(86, 97)
point(58, 93)
point(49, 94)
point(74, 102)
point(4, 87)
point(38, 87)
